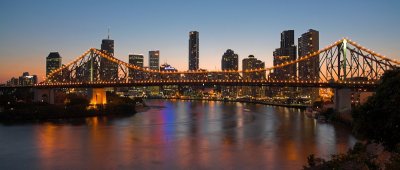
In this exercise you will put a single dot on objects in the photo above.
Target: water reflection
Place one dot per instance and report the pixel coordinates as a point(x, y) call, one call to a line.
point(178, 135)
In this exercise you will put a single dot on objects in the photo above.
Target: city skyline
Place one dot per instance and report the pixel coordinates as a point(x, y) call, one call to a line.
point(32, 38)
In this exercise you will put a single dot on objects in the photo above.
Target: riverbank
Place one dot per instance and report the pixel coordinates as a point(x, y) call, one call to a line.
point(43, 112)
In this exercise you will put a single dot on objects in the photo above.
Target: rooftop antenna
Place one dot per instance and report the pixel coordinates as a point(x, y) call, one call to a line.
point(108, 35)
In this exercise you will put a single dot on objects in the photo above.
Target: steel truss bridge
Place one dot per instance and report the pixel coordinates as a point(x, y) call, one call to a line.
point(343, 64)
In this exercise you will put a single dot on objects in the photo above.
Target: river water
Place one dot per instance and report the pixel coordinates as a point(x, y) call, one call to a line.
point(174, 134)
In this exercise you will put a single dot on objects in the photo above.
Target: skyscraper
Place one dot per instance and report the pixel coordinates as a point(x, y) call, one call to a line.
point(53, 62)
point(309, 43)
point(193, 50)
point(229, 60)
point(252, 63)
point(286, 53)
point(108, 69)
point(154, 60)
point(137, 60)
point(309, 69)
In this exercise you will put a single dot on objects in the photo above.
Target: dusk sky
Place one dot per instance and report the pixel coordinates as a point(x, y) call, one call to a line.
point(31, 29)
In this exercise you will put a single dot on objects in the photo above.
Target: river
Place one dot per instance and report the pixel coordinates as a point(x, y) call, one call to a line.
point(175, 134)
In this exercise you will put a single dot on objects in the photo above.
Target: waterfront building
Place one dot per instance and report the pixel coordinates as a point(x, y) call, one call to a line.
point(170, 91)
point(309, 69)
point(287, 52)
point(309, 43)
point(252, 63)
point(229, 61)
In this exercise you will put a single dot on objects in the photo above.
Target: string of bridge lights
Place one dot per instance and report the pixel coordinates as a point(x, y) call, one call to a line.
point(144, 82)
point(134, 67)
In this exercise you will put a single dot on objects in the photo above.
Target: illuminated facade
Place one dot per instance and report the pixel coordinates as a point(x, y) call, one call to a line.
point(154, 60)
point(137, 60)
point(169, 90)
point(252, 63)
point(229, 61)
point(309, 69)
point(193, 50)
point(24, 80)
point(53, 62)
point(287, 52)
point(309, 43)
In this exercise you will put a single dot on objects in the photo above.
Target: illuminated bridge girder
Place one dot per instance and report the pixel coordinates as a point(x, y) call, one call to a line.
point(341, 64)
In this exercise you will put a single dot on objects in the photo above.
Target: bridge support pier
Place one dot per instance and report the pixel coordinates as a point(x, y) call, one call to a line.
point(342, 103)
point(43, 95)
point(97, 96)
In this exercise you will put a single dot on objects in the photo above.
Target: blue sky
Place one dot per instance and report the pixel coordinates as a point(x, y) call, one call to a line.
point(31, 29)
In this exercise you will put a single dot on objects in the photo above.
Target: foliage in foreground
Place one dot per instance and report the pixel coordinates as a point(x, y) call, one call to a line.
point(356, 158)
point(378, 120)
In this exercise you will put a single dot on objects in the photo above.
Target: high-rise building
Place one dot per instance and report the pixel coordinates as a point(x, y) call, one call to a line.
point(53, 62)
point(193, 50)
point(309, 69)
point(108, 69)
point(286, 53)
point(137, 60)
point(230, 60)
point(154, 64)
point(252, 63)
point(154, 60)
point(309, 43)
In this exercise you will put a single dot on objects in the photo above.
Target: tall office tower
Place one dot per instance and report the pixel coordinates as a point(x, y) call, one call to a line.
point(154, 60)
point(252, 63)
point(309, 69)
point(193, 50)
point(137, 60)
point(108, 69)
point(286, 53)
point(53, 62)
point(154, 64)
